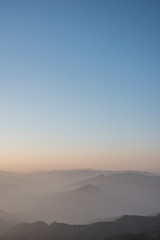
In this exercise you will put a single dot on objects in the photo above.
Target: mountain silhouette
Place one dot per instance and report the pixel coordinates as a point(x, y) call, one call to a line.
point(96, 231)
point(79, 196)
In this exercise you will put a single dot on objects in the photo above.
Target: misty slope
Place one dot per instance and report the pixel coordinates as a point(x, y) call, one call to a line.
point(140, 191)
point(76, 206)
point(19, 217)
point(80, 205)
point(8, 220)
point(97, 231)
point(122, 178)
point(5, 224)
point(102, 197)
point(18, 190)
point(79, 196)
point(28, 231)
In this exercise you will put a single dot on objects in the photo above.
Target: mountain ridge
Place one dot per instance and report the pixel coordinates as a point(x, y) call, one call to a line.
point(96, 231)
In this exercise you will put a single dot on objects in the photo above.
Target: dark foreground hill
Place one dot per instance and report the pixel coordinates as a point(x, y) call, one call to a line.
point(96, 231)
point(136, 236)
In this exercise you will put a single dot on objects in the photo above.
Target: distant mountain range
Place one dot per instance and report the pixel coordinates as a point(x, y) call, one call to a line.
point(79, 196)
point(75, 197)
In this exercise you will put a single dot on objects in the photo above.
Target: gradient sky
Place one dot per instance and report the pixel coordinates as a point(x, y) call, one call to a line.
point(79, 84)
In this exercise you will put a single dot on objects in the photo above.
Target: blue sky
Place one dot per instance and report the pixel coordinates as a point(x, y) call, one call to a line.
point(79, 79)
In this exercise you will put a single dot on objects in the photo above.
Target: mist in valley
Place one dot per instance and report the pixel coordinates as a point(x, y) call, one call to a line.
point(79, 91)
point(78, 196)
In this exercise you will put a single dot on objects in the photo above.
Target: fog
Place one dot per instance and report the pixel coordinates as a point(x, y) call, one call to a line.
point(77, 196)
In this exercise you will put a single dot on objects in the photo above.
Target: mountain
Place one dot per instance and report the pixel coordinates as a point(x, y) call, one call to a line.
point(75, 206)
point(87, 189)
point(28, 230)
point(19, 217)
point(135, 236)
point(8, 220)
point(101, 197)
point(79, 196)
point(5, 224)
point(96, 231)
point(125, 178)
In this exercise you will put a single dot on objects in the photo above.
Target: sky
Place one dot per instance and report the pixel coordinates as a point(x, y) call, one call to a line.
point(79, 84)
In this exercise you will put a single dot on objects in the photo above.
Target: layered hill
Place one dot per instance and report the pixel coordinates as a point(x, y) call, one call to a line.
point(79, 196)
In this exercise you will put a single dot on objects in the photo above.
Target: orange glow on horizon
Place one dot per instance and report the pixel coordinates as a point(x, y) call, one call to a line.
point(113, 160)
